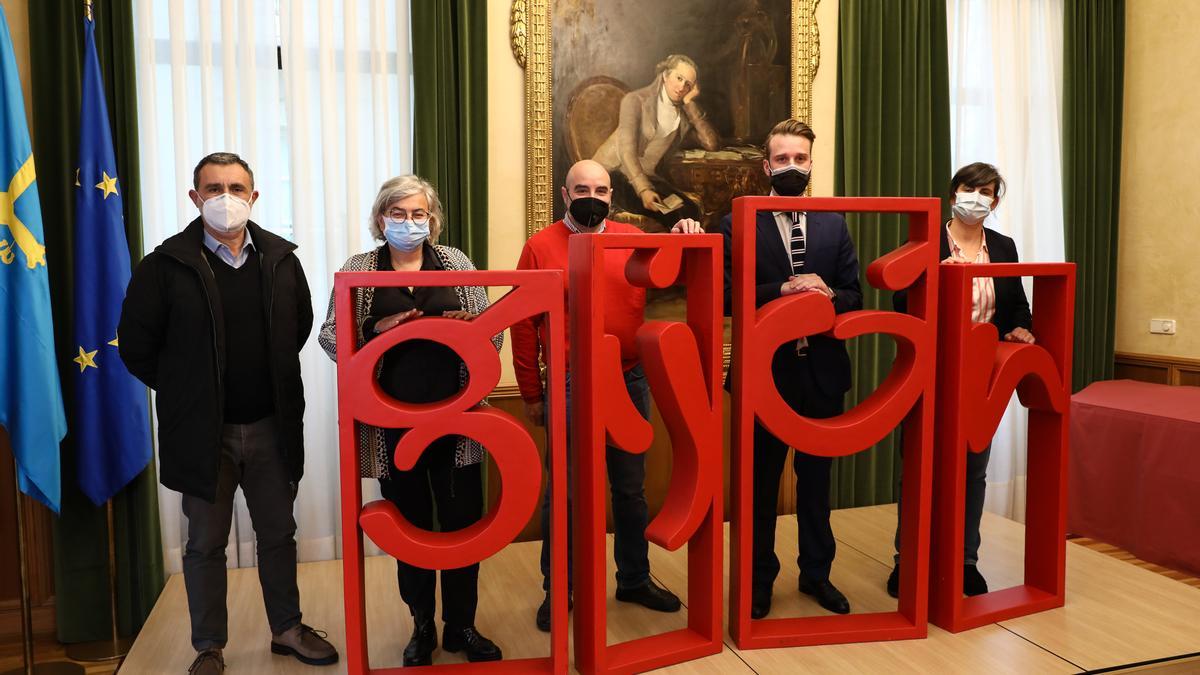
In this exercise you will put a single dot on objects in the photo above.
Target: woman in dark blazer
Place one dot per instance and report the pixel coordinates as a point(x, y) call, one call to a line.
point(976, 191)
point(407, 219)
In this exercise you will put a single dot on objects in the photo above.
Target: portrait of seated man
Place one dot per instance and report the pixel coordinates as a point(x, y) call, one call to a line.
point(655, 122)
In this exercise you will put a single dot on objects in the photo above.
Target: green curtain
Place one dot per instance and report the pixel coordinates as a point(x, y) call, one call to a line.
point(449, 39)
point(892, 139)
point(1093, 84)
point(81, 532)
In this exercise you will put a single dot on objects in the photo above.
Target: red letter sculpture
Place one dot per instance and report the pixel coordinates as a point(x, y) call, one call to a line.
point(977, 375)
point(360, 399)
point(906, 395)
point(683, 366)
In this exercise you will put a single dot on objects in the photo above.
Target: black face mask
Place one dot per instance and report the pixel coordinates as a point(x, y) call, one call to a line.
point(789, 181)
point(588, 212)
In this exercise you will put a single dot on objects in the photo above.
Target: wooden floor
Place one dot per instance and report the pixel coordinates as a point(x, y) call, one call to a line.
point(1116, 615)
point(1122, 554)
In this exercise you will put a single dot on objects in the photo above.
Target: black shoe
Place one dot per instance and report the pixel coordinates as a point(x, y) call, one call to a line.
point(478, 648)
point(827, 595)
point(760, 602)
point(419, 651)
point(650, 596)
point(893, 582)
point(543, 612)
point(973, 581)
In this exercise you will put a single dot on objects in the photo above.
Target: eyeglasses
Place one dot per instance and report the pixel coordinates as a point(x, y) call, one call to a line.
point(398, 215)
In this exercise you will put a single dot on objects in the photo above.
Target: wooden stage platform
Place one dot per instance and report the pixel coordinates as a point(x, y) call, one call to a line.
point(1117, 615)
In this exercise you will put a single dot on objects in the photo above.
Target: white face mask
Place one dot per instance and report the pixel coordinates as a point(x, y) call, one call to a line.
point(971, 207)
point(226, 213)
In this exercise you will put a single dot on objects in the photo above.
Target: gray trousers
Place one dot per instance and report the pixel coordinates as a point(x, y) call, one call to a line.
point(977, 464)
point(250, 457)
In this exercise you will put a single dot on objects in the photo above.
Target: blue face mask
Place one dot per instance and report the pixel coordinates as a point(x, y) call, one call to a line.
point(405, 235)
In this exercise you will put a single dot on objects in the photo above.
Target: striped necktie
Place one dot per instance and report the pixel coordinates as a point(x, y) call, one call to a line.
point(797, 267)
point(797, 244)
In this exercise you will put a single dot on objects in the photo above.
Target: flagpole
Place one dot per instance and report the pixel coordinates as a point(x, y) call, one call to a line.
point(31, 668)
point(115, 647)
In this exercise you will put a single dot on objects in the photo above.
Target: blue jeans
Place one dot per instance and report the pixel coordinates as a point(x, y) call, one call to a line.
point(977, 464)
point(626, 478)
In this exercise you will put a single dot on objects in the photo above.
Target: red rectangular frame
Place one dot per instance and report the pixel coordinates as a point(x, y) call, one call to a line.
point(977, 375)
point(757, 332)
point(683, 366)
point(534, 292)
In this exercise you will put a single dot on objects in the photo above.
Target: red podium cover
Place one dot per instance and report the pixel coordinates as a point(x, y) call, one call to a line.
point(360, 399)
point(906, 395)
point(977, 375)
point(683, 366)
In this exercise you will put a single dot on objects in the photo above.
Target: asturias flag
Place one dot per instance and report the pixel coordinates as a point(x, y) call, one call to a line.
point(30, 396)
point(112, 428)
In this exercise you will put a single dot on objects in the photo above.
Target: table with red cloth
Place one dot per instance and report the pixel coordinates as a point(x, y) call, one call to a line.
point(1135, 470)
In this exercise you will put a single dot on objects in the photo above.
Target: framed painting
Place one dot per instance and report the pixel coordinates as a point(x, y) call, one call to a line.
point(674, 99)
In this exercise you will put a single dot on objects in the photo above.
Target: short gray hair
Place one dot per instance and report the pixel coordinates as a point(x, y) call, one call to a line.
point(221, 159)
point(403, 187)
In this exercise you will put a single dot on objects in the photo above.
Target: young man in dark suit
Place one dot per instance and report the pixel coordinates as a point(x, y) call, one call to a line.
point(798, 253)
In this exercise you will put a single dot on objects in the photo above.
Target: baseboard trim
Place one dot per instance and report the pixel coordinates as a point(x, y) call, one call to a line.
point(1159, 369)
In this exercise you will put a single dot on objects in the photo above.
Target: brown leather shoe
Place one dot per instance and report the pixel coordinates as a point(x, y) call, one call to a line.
point(208, 662)
point(306, 644)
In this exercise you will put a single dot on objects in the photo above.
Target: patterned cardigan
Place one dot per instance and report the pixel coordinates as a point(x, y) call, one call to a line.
point(372, 453)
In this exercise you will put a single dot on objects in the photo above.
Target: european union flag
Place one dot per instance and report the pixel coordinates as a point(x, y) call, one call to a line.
point(112, 427)
point(30, 397)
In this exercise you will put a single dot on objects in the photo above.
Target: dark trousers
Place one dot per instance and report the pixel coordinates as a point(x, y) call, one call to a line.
point(794, 378)
point(629, 200)
point(626, 478)
point(457, 495)
point(251, 458)
point(977, 464)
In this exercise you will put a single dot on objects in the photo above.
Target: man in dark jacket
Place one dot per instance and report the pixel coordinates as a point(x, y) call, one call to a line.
point(213, 320)
point(798, 252)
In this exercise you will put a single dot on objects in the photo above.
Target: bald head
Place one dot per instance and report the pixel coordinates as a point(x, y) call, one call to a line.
point(587, 178)
point(587, 171)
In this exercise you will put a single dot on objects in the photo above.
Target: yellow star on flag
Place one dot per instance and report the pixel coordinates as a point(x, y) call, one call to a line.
point(113, 342)
point(77, 178)
point(108, 184)
point(86, 359)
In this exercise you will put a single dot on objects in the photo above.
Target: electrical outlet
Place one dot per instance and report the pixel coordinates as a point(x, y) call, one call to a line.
point(1162, 326)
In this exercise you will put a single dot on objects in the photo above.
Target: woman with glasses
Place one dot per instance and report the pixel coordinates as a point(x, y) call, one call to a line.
point(407, 219)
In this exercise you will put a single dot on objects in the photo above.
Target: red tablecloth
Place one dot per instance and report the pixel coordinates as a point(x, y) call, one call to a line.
point(1135, 470)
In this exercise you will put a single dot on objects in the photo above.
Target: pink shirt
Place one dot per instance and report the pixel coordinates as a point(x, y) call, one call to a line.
point(983, 290)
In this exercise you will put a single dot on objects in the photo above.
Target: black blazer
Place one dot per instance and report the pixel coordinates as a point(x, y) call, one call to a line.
point(1012, 305)
point(829, 254)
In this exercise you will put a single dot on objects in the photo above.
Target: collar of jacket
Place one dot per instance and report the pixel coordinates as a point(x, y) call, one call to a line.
point(188, 245)
point(650, 95)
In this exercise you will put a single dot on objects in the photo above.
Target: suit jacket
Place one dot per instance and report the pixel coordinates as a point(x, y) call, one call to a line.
point(830, 254)
point(633, 148)
point(1012, 305)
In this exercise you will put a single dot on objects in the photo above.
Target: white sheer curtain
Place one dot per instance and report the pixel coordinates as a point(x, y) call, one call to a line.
point(316, 98)
point(1006, 109)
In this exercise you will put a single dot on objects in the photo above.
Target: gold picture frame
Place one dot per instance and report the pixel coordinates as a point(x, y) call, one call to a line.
point(531, 45)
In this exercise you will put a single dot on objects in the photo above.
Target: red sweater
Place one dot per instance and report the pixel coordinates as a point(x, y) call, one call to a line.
point(624, 309)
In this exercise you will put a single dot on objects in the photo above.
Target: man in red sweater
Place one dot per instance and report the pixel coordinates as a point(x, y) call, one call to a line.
point(588, 193)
